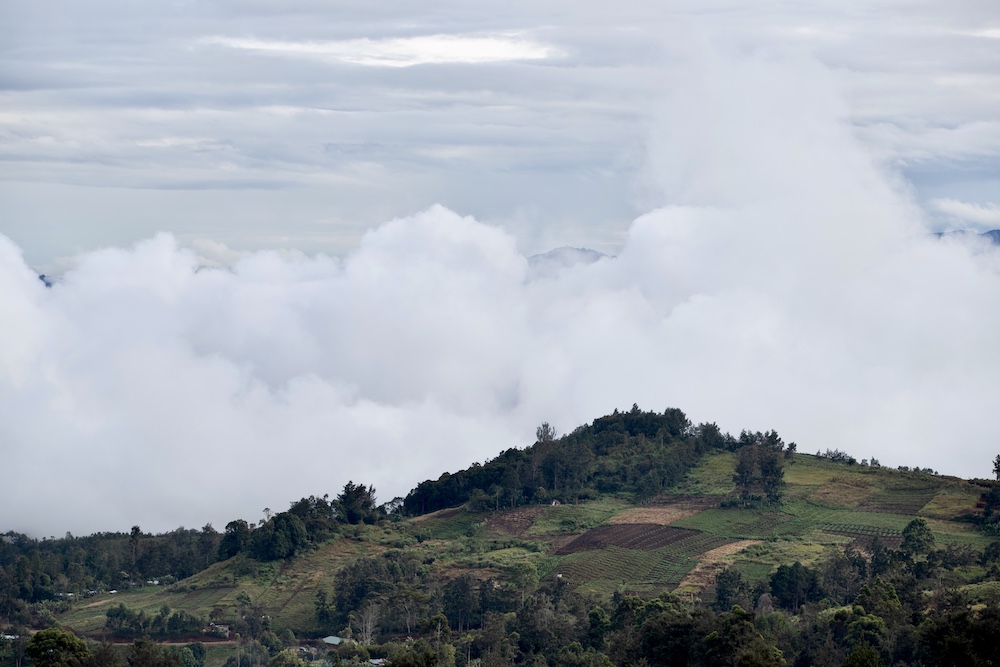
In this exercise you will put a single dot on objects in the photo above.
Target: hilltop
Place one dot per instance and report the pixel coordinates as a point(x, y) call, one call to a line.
point(675, 541)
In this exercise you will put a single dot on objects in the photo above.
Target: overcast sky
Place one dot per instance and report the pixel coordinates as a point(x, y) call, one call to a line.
point(291, 239)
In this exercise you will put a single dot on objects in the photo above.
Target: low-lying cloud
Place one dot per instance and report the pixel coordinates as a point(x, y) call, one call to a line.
point(784, 280)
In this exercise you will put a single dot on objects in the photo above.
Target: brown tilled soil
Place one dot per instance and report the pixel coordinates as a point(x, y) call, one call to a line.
point(710, 564)
point(514, 522)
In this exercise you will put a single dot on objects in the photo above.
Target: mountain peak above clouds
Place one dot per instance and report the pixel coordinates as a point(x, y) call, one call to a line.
point(550, 264)
point(993, 235)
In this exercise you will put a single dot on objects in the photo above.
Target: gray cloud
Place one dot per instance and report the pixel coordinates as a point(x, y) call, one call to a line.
point(793, 289)
point(137, 119)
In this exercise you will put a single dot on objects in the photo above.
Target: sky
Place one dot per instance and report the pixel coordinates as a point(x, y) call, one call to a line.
point(290, 241)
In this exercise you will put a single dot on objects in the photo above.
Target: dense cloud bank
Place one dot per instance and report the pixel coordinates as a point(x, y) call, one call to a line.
point(789, 284)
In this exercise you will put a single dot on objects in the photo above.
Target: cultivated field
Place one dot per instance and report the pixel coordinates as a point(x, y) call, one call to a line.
point(667, 509)
point(638, 536)
point(678, 540)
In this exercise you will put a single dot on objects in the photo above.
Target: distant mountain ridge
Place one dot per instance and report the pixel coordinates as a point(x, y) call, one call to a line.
point(992, 235)
point(549, 264)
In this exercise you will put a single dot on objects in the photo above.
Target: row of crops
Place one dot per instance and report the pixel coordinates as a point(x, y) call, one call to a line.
point(611, 564)
point(664, 566)
point(906, 502)
point(860, 529)
point(678, 560)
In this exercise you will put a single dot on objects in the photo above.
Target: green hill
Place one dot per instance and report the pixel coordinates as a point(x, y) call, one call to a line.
point(675, 541)
point(577, 541)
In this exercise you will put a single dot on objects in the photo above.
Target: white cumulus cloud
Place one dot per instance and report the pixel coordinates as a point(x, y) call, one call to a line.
point(165, 386)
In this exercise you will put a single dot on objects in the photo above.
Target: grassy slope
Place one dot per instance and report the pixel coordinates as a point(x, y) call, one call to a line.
point(820, 496)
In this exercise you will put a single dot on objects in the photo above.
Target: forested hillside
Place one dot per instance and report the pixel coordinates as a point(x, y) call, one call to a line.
point(636, 452)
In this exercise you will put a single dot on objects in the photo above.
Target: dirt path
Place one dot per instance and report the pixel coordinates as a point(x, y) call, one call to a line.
point(710, 564)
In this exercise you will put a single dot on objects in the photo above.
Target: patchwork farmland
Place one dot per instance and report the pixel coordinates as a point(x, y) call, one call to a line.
point(654, 546)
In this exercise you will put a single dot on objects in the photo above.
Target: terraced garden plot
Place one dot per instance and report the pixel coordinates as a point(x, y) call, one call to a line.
point(670, 573)
point(678, 559)
point(610, 564)
point(860, 530)
point(898, 501)
point(870, 519)
point(639, 536)
point(740, 523)
point(662, 568)
point(866, 540)
point(698, 544)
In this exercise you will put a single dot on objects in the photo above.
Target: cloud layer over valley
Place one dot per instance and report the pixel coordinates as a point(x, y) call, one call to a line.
point(789, 284)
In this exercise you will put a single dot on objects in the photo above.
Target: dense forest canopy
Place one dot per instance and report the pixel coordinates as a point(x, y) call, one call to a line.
point(635, 451)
